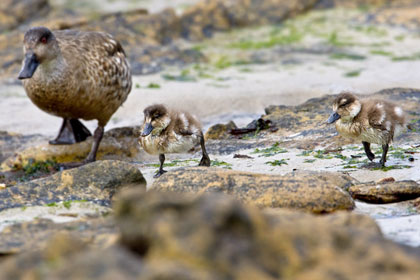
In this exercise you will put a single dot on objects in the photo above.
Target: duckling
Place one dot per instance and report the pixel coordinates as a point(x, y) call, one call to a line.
point(370, 121)
point(75, 75)
point(170, 131)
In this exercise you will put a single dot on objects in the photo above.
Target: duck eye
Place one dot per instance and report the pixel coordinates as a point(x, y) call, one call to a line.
point(155, 116)
point(44, 40)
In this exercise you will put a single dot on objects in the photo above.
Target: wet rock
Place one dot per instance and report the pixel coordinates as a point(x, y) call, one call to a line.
point(97, 181)
point(220, 131)
point(15, 12)
point(34, 235)
point(386, 192)
point(118, 143)
point(317, 192)
point(219, 236)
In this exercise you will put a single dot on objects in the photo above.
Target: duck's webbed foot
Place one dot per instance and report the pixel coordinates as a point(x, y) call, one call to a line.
point(71, 131)
point(368, 152)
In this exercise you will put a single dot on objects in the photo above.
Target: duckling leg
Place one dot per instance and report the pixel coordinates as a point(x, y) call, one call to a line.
point(205, 160)
point(368, 152)
point(161, 171)
point(97, 137)
point(71, 131)
point(384, 152)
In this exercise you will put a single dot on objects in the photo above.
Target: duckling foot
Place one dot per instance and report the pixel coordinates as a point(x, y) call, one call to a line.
point(159, 173)
point(71, 131)
point(368, 152)
point(205, 161)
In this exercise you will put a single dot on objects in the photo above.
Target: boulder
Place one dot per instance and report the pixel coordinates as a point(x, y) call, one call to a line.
point(386, 192)
point(97, 181)
point(220, 236)
point(319, 192)
point(212, 236)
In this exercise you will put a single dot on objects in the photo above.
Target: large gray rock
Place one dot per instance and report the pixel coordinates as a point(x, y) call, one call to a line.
point(319, 192)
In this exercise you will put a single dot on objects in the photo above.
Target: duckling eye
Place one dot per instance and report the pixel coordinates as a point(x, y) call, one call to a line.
point(155, 116)
point(44, 40)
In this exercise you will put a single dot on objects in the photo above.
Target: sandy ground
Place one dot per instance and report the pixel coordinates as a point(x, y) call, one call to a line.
point(242, 92)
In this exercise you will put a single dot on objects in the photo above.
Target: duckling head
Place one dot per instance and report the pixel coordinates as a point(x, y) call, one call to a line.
point(156, 119)
point(39, 46)
point(346, 106)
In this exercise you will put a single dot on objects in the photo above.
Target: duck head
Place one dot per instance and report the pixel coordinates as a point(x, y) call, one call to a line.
point(39, 46)
point(156, 119)
point(346, 106)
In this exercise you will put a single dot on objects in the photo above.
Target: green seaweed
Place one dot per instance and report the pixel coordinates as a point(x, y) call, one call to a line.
point(271, 151)
point(347, 56)
point(221, 163)
point(277, 162)
point(275, 39)
point(352, 74)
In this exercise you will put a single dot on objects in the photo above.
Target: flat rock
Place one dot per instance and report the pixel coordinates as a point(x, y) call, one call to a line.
point(97, 182)
point(34, 235)
point(221, 237)
point(317, 192)
point(386, 192)
point(118, 143)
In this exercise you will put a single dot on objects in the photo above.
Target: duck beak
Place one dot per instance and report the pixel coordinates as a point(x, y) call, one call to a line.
point(30, 63)
point(148, 128)
point(333, 118)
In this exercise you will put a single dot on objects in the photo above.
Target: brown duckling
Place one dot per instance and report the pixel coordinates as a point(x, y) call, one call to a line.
point(370, 121)
point(75, 75)
point(170, 131)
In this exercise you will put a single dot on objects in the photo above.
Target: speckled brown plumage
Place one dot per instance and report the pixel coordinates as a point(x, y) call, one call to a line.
point(78, 75)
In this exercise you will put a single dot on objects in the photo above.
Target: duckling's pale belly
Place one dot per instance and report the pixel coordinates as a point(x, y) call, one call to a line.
point(174, 143)
point(363, 133)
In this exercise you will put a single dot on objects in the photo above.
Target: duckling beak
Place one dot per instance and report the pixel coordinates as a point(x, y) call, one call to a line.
point(148, 128)
point(333, 118)
point(30, 63)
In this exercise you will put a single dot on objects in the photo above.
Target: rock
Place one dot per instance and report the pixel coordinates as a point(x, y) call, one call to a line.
point(118, 143)
point(34, 235)
point(317, 192)
point(304, 126)
point(68, 257)
point(97, 181)
point(348, 220)
point(386, 192)
point(203, 19)
point(220, 131)
point(219, 236)
point(15, 12)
